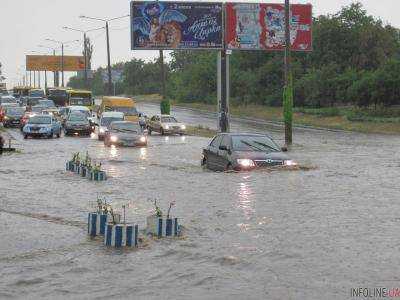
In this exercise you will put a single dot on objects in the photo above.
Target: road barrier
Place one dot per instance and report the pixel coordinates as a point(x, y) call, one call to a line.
point(121, 235)
point(162, 227)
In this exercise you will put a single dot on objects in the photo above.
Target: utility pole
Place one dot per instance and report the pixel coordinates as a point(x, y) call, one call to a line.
point(45, 80)
point(30, 78)
point(34, 79)
point(288, 89)
point(62, 64)
point(108, 61)
point(162, 74)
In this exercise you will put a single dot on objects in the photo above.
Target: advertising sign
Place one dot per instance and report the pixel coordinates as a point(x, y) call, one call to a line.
point(176, 25)
point(251, 26)
point(54, 63)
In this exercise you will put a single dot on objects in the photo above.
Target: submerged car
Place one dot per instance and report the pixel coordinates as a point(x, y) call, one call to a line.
point(77, 123)
point(42, 126)
point(243, 151)
point(105, 121)
point(125, 133)
point(165, 124)
point(12, 116)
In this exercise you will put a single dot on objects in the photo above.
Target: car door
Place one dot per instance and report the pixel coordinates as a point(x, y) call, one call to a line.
point(212, 152)
point(222, 158)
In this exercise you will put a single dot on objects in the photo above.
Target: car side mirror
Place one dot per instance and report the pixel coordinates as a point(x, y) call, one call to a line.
point(284, 149)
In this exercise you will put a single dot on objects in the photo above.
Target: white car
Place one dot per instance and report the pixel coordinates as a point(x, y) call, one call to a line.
point(105, 120)
point(165, 124)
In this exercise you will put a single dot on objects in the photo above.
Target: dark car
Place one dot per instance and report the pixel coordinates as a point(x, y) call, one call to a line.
point(125, 133)
point(13, 116)
point(243, 151)
point(77, 123)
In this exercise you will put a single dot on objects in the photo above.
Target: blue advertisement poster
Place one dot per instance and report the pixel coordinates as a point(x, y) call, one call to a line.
point(176, 25)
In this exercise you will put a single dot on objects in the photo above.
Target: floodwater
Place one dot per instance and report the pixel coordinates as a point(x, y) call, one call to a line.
point(253, 235)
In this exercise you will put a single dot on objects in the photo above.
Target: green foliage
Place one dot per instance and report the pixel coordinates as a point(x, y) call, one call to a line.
point(165, 107)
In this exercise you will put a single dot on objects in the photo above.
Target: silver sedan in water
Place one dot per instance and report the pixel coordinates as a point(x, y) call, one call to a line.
point(125, 133)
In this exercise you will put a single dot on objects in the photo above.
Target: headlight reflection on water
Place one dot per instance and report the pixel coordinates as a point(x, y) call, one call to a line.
point(113, 151)
point(245, 202)
point(143, 153)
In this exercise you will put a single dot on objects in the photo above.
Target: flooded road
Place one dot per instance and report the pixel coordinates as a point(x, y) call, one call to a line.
point(253, 235)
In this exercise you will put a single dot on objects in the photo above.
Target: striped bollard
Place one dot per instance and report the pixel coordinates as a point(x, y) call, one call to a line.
point(98, 176)
point(77, 167)
point(121, 235)
point(69, 166)
point(97, 223)
point(162, 227)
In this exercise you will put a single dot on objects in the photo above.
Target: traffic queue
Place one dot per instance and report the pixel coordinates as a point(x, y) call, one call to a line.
point(119, 124)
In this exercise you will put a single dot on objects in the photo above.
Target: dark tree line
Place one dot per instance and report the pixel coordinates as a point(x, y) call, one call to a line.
point(355, 61)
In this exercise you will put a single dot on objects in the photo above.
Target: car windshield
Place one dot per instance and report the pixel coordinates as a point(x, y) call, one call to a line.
point(254, 143)
point(84, 112)
point(77, 117)
point(126, 127)
point(8, 100)
point(48, 103)
point(80, 101)
point(128, 111)
point(15, 111)
point(36, 93)
point(40, 120)
point(38, 108)
point(168, 120)
point(105, 121)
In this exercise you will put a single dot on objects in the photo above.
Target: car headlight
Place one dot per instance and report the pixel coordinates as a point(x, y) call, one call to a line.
point(113, 138)
point(245, 162)
point(183, 127)
point(290, 163)
point(143, 139)
point(102, 130)
point(6, 118)
point(166, 126)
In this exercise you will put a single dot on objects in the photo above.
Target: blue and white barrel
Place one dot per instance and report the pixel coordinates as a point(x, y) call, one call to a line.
point(162, 227)
point(69, 166)
point(98, 176)
point(97, 223)
point(121, 235)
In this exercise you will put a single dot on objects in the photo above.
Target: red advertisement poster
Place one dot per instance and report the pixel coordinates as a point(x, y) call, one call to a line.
point(252, 26)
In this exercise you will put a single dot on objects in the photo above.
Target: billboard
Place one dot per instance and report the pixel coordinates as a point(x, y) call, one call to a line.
point(54, 63)
point(251, 26)
point(176, 25)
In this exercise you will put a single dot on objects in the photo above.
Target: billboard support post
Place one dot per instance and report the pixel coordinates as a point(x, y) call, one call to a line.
point(288, 89)
point(86, 60)
point(39, 83)
point(45, 80)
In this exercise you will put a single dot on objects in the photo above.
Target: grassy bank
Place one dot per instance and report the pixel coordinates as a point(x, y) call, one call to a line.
point(381, 120)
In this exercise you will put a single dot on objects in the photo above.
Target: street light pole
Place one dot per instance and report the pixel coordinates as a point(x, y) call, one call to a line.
point(85, 49)
point(288, 89)
point(109, 88)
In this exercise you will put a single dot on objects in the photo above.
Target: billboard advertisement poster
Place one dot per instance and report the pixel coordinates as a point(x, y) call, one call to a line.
point(176, 25)
point(251, 26)
point(54, 63)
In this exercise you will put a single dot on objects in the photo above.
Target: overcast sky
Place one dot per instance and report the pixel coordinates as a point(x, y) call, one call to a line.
point(26, 23)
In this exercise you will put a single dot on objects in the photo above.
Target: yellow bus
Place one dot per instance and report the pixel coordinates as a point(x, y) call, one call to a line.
point(120, 104)
point(80, 97)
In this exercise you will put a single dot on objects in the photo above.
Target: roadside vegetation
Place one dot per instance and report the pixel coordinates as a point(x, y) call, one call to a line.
point(351, 80)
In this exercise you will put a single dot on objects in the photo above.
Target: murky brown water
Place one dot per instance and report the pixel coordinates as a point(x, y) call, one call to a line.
point(261, 235)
